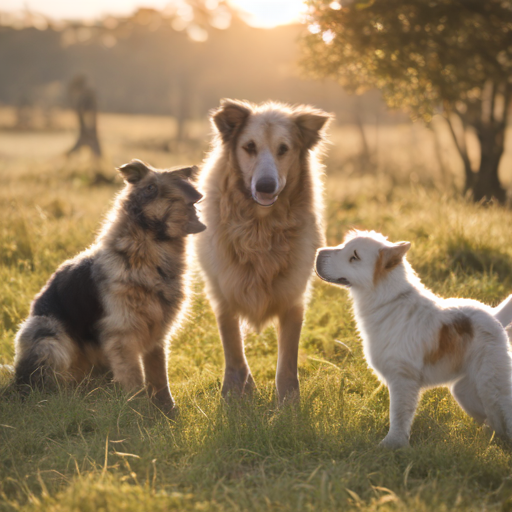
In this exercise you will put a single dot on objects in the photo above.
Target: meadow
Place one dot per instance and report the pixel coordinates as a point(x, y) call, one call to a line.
point(94, 448)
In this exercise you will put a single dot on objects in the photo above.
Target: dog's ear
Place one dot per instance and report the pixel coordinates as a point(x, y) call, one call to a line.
point(230, 116)
point(188, 173)
point(191, 195)
point(393, 255)
point(134, 171)
point(194, 226)
point(389, 257)
point(312, 124)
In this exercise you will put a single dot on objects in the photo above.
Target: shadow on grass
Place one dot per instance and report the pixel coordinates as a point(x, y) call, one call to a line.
point(57, 450)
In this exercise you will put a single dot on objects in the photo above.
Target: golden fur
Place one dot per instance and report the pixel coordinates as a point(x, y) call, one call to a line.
point(258, 260)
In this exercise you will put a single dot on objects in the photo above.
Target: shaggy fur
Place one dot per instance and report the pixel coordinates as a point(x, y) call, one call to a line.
point(112, 306)
point(264, 212)
point(414, 339)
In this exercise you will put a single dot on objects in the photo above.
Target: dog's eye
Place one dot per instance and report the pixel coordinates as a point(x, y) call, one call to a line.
point(150, 188)
point(250, 147)
point(354, 257)
point(283, 148)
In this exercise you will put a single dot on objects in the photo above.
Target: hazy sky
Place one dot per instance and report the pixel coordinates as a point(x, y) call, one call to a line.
point(264, 12)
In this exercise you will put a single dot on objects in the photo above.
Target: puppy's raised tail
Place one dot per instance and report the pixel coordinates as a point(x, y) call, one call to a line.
point(503, 312)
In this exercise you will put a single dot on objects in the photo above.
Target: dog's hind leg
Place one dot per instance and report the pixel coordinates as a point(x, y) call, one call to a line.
point(465, 392)
point(157, 381)
point(494, 386)
point(496, 416)
point(287, 380)
point(43, 350)
point(237, 375)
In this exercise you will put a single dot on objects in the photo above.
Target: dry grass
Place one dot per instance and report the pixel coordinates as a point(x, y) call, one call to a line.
point(92, 449)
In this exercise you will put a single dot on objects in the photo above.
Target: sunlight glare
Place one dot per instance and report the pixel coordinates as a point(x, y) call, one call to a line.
point(328, 36)
point(258, 13)
point(270, 13)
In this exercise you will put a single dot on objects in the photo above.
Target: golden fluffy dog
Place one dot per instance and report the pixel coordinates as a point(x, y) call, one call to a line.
point(264, 211)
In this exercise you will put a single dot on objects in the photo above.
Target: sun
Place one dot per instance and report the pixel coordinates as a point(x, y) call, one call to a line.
point(270, 13)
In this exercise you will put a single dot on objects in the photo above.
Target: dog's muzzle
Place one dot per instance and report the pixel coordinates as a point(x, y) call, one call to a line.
point(265, 191)
point(320, 265)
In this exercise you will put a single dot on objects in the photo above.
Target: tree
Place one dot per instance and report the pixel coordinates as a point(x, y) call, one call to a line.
point(83, 101)
point(452, 57)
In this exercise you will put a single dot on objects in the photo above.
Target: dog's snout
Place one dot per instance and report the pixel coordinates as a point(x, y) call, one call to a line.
point(320, 257)
point(320, 260)
point(266, 185)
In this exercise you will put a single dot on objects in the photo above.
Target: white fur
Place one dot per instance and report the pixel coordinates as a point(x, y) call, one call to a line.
point(405, 329)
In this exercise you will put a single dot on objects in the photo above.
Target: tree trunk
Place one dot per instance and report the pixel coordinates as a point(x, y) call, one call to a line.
point(84, 99)
point(469, 175)
point(486, 185)
point(446, 176)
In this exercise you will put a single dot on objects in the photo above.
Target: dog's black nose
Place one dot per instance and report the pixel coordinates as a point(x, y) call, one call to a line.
point(266, 185)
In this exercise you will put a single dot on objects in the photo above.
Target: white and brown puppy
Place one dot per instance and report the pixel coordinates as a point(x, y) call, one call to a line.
point(264, 211)
point(112, 307)
point(413, 339)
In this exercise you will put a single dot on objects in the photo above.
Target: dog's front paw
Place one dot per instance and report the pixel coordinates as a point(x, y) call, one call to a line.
point(170, 409)
point(394, 441)
point(237, 383)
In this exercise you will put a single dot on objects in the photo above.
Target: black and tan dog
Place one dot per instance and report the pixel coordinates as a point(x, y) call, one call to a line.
point(113, 306)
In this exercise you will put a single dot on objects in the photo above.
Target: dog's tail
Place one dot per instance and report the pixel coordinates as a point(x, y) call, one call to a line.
point(43, 350)
point(503, 312)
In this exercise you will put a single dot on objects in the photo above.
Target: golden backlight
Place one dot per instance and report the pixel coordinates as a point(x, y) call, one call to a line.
point(260, 13)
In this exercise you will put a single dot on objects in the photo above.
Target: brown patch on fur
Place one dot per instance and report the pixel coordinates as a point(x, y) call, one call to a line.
point(453, 340)
point(379, 271)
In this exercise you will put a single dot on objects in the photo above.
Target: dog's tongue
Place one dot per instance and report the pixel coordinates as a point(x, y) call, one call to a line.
point(265, 199)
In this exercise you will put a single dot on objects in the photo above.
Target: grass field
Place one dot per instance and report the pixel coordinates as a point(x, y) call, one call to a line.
point(94, 448)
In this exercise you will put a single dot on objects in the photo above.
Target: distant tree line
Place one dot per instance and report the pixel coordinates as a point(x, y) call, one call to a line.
point(143, 64)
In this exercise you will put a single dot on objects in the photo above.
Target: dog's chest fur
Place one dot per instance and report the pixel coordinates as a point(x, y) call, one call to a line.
point(260, 263)
point(263, 251)
point(144, 289)
point(265, 245)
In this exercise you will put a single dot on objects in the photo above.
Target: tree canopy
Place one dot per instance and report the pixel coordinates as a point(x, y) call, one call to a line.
point(448, 56)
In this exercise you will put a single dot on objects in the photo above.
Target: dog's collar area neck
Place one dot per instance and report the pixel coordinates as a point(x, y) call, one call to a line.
point(401, 295)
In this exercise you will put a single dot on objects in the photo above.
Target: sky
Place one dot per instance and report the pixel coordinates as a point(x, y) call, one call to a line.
point(263, 13)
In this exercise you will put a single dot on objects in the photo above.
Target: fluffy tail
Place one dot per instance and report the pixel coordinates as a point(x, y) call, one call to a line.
point(42, 351)
point(503, 312)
